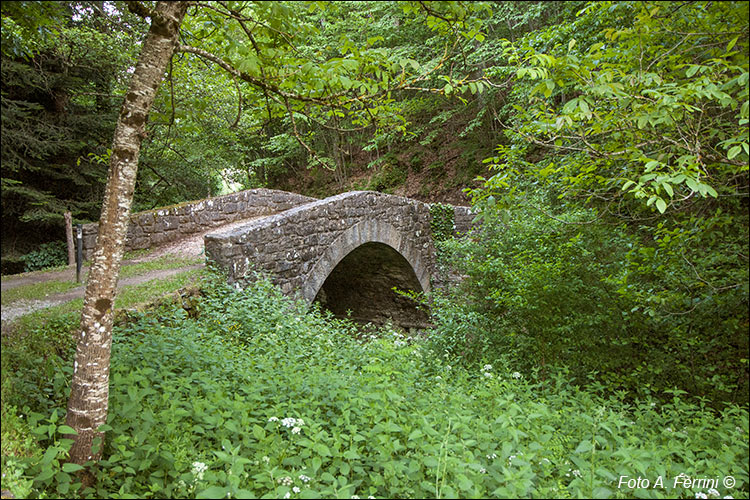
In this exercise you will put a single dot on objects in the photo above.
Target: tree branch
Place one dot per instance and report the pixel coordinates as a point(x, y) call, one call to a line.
point(140, 9)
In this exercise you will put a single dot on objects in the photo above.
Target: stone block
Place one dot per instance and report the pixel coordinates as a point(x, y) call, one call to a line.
point(166, 223)
point(159, 239)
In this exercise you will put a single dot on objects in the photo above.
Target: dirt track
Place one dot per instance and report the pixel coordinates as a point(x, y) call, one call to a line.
point(187, 247)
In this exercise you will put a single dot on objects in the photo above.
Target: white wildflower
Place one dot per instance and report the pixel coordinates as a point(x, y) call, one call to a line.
point(486, 368)
point(198, 469)
point(266, 459)
point(487, 374)
point(296, 489)
point(304, 478)
point(492, 456)
point(273, 419)
point(577, 473)
point(296, 430)
point(483, 471)
point(713, 492)
point(516, 375)
point(289, 422)
point(287, 494)
point(700, 494)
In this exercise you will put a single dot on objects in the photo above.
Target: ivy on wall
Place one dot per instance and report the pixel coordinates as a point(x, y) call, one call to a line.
point(442, 223)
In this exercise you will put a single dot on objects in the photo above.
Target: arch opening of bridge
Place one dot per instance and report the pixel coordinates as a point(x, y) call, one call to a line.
point(361, 286)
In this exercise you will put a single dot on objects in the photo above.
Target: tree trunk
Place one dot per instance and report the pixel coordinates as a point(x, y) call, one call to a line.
point(69, 238)
point(88, 404)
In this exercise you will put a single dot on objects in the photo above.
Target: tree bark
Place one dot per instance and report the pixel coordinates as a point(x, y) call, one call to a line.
point(89, 398)
point(69, 238)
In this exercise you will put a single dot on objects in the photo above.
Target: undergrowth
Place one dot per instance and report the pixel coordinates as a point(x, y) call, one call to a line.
point(259, 397)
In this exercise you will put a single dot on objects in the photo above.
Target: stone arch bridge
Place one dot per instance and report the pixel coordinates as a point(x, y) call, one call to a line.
point(346, 252)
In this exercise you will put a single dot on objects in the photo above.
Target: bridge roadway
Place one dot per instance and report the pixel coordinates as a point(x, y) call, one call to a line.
point(346, 252)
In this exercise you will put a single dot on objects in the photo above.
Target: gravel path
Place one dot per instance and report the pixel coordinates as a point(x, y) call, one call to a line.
point(21, 307)
point(187, 247)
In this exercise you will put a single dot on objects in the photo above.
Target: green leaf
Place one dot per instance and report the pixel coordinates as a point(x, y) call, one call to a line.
point(583, 446)
point(45, 474)
point(322, 449)
point(66, 429)
point(49, 455)
point(259, 432)
point(464, 483)
point(731, 43)
point(214, 492)
point(661, 205)
point(415, 434)
point(601, 492)
point(71, 467)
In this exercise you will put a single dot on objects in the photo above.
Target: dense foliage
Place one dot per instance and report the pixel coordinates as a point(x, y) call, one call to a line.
point(62, 69)
point(552, 294)
point(258, 397)
point(622, 191)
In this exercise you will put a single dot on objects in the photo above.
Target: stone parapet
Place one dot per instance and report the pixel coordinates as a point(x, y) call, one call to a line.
point(462, 220)
point(163, 225)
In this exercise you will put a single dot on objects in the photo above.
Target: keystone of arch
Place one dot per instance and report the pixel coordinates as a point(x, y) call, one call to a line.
point(366, 231)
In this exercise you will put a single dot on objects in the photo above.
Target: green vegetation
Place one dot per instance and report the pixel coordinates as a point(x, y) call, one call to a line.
point(623, 247)
point(555, 294)
point(442, 223)
point(37, 351)
point(164, 262)
point(259, 397)
point(37, 290)
point(48, 255)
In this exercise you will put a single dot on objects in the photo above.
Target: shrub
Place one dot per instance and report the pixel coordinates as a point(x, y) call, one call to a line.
point(595, 298)
point(51, 254)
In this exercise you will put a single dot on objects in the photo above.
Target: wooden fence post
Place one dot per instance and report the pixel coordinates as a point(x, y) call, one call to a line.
point(69, 236)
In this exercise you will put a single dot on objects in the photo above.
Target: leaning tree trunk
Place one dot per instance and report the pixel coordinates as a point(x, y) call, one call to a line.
point(88, 404)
